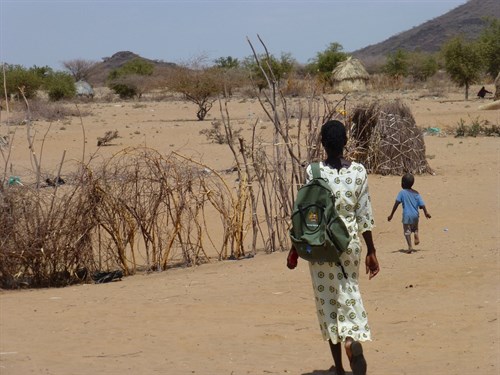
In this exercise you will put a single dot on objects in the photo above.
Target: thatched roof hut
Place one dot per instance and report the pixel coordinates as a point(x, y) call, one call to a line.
point(386, 139)
point(350, 75)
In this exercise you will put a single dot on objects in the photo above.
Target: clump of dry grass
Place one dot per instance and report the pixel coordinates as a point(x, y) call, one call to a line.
point(42, 110)
point(108, 137)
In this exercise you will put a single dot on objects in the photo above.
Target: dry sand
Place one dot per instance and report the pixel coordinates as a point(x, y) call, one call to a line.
point(432, 312)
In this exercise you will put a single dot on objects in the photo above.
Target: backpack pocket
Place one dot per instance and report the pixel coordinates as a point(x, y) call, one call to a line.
point(338, 233)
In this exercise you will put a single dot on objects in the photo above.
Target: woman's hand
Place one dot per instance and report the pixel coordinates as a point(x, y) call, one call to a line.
point(292, 259)
point(372, 267)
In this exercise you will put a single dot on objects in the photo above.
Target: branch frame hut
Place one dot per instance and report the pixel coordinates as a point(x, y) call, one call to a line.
point(386, 139)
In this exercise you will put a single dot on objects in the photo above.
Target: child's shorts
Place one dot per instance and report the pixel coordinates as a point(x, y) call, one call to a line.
point(410, 228)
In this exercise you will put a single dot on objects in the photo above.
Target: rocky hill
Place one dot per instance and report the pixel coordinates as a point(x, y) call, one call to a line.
point(467, 19)
point(101, 70)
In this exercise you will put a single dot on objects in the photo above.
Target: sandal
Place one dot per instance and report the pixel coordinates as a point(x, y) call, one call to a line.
point(358, 362)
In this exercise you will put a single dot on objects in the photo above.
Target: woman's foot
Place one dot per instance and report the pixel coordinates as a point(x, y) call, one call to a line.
point(336, 371)
point(358, 362)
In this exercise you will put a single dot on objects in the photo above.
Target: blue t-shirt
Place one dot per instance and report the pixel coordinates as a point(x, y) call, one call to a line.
point(411, 201)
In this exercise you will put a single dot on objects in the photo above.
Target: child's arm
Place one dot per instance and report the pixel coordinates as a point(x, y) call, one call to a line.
point(427, 214)
point(394, 208)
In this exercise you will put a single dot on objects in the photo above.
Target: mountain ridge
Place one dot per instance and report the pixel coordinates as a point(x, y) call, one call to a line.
point(468, 19)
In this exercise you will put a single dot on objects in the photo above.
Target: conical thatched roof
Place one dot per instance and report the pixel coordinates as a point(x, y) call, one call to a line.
point(350, 75)
point(350, 69)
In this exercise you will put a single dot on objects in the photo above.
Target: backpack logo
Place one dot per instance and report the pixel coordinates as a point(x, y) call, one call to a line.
point(313, 219)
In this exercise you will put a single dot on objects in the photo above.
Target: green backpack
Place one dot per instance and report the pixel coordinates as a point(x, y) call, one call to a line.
point(318, 233)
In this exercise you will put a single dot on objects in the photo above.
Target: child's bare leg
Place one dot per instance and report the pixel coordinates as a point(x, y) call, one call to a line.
point(408, 240)
point(407, 232)
point(417, 239)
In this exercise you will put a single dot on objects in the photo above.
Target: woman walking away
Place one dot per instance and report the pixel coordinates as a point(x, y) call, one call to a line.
point(339, 306)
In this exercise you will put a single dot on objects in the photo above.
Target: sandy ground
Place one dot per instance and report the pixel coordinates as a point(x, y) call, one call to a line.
point(432, 312)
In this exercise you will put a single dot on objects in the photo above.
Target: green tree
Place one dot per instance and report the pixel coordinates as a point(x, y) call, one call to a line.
point(396, 64)
point(59, 85)
point(135, 66)
point(325, 61)
point(462, 62)
point(41, 72)
point(18, 77)
point(231, 73)
point(273, 67)
point(489, 41)
point(124, 80)
point(421, 65)
point(227, 62)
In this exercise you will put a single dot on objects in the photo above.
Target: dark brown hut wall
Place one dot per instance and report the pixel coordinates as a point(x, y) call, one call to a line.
point(386, 139)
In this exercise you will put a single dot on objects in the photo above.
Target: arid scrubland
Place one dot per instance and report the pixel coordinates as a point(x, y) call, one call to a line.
point(147, 187)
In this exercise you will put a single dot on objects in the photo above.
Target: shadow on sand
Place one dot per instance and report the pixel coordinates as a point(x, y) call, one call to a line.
point(325, 372)
point(405, 251)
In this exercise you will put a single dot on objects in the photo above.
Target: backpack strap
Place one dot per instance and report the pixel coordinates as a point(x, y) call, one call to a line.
point(315, 170)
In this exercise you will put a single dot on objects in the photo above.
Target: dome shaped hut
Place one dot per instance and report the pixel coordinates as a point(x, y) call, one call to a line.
point(350, 75)
point(385, 138)
point(84, 89)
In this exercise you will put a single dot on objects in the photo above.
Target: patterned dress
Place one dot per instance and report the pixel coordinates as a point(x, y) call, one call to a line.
point(338, 300)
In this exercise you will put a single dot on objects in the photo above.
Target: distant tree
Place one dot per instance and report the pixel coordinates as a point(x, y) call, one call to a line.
point(126, 81)
point(80, 69)
point(231, 72)
point(421, 65)
point(18, 77)
point(396, 64)
point(462, 62)
point(325, 61)
point(227, 62)
point(272, 66)
point(59, 85)
point(199, 86)
point(135, 66)
point(489, 41)
point(41, 72)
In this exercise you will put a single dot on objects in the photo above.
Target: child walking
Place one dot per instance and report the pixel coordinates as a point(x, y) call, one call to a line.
point(412, 202)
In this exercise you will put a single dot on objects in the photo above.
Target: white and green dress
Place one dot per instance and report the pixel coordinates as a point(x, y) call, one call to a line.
point(338, 300)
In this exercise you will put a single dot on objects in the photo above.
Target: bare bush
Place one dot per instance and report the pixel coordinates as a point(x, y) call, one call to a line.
point(216, 133)
point(108, 137)
point(45, 237)
point(80, 69)
point(199, 86)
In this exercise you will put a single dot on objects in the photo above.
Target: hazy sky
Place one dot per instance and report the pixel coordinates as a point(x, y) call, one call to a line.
point(47, 32)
